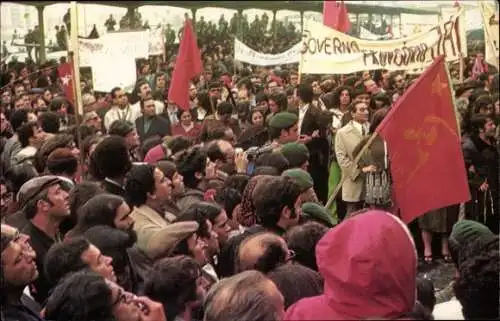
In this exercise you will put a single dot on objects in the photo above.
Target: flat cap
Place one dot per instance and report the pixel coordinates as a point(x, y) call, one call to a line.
point(35, 186)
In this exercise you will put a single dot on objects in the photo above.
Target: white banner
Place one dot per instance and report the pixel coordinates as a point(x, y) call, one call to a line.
point(246, 54)
point(490, 23)
point(366, 34)
point(133, 44)
point(156, 42)
point(110, 73)
point(326, 50)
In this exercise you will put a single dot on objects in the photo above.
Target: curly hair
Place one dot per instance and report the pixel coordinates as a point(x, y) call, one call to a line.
point(53, 143)
point(280, 192)
point(172, 281)
point(110, 158)
point(138, 183)
point(189, 163)
point(477, 287)
point(302, 239)
point(83, 295)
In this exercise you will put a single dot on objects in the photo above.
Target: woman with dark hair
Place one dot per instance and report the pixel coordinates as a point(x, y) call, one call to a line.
point(85, 295)
point(174, 282)
point(116, 244)
point(378, 192)
point(256, 117)
point(278, 102)
point(187, 126)
point(64, 110)
point(205, 107)
point(103, 209)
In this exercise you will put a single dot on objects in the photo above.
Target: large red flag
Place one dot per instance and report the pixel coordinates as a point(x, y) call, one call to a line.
point(426, 160)
point(65, 73)
point(187, 66)
point(335, 16)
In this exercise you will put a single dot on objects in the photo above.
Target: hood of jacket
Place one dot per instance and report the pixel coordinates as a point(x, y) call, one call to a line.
point(369, 266)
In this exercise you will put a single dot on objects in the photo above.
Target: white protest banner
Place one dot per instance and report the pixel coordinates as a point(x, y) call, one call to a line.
point(134, 44)
point(366, 34)
point(246, 54)
point(156, 43)
point(109, 73)
point(490, 25)
point(326, 50)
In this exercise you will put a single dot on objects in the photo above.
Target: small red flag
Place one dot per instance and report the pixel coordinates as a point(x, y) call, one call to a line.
point(335, 16)
point(65, 73)
point(187, 66)
point(426, 160)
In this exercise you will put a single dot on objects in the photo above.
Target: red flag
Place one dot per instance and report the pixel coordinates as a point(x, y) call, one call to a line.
point(65, 73)
point(335, 16)
point(343, 23)
point(330, 13)
point(426, 160)
point(187, 66)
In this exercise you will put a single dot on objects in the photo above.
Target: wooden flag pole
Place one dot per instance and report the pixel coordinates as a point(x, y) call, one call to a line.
point(369, 142)
point(74, 56)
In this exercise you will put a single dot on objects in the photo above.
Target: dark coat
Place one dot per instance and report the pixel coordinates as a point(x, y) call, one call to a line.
point(319, 150)
point(159, 127)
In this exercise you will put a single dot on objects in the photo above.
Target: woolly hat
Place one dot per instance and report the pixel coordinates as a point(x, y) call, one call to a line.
point(466, 231)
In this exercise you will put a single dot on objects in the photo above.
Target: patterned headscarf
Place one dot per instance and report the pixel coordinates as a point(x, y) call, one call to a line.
point(245, 211)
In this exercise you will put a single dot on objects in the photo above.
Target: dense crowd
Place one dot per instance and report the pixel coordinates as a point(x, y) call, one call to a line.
point(144, 211)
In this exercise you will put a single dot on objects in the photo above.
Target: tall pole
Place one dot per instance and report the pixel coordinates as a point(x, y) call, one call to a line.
point(74, 57)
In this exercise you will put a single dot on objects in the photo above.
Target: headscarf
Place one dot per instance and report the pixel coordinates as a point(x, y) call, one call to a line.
point(245, 211)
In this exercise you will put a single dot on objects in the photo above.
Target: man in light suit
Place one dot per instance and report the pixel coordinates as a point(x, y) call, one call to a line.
point(346, 140)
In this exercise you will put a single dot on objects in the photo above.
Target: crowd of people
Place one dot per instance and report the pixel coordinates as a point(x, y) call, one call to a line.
point(140, 210)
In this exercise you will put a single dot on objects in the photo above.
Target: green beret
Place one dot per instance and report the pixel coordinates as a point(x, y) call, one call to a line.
point(283, 120)
point(317, 213)
point(296, 154)
point(300, 177)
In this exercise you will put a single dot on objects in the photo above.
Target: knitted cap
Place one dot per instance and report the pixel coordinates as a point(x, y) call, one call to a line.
point(466, 231)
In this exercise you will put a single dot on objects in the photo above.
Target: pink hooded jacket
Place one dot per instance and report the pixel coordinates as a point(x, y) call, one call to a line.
point(369, 264)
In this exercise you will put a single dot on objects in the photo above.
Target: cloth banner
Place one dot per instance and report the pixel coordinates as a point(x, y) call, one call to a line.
point(133, 44)
point(246, 54)
point(366, 34)
point(326, 50)
point(490, 23)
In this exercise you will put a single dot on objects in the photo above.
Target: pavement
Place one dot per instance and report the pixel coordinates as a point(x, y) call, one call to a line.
point(441, 274)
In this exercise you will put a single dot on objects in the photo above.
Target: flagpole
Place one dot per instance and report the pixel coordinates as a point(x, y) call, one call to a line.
point(74, 56)
point(453, 98)
point(365, 147)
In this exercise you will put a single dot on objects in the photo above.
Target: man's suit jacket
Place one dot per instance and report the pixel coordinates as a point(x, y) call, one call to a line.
point(160, 126)
point(318, 151)
point(346, 140)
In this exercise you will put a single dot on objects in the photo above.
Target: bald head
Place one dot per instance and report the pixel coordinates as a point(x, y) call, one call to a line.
point(246, 296)
point(262, 252)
